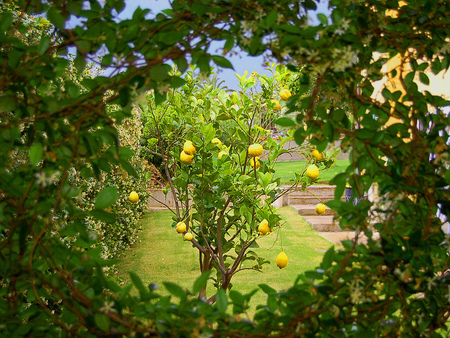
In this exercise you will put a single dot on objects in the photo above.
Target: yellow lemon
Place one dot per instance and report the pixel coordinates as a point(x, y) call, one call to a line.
point(282, 260)
point(285, 94)
point(185, 158)
point(253, 161)
point(277, 105)
point(215, 140)
point(312, 171)
point(188, 236)
point(255, 150)
point(263, 227)
point(317, 155)
point(181, 227)
point(221, 153)
point(320, 208)
point(134, 197)
point(189, 148)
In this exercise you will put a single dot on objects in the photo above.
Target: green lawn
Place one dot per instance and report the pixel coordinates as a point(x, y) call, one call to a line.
point(162, 255)
point(286, 170)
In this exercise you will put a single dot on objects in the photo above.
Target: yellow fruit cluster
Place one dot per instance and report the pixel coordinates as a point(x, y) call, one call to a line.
point(317, 155)
point(187, 155)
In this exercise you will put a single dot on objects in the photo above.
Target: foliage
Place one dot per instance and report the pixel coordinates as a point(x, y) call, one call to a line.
point(393, 286)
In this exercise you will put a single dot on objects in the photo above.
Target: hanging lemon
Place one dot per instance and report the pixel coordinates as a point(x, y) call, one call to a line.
point(282, 260)
point(185, 158)
point(312, 171)
point(263, 227)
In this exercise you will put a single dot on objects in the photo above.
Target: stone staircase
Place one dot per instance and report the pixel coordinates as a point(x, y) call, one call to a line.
point(305, 203)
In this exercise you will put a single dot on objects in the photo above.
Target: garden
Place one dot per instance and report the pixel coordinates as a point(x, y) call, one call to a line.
point(95, 116)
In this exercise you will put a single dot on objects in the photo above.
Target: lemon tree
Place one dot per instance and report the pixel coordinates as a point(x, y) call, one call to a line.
point(223, 180)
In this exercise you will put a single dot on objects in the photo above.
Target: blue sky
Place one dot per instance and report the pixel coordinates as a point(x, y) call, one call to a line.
point(241, 62)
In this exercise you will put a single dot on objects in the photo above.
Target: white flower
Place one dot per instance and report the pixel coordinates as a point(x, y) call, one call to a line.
point(339, 31)
point(431, 284)
point(108, 307)
point(345, 24)
point(356, 295)
point(163, 88)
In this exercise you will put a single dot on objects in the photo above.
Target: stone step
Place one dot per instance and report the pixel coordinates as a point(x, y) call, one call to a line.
point(310, 210)
point(307, 200)
point(323, 223)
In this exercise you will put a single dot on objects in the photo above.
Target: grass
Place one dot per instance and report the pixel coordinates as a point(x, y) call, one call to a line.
point(286, 170)
point(162, 255)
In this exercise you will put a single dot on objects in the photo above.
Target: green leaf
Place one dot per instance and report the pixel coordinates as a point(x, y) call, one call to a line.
point(102, 321)
point(103, 216)
point(160, 72)
point(339, 180)
point(129, 168)
point(201, 281)
point(222, 62)
point(267, 289)
point(237, 297)
point(55, 17)
point(323, 19)
point(43, 45)
point(181, 64)
point(7, 103)
point(221, 300)
point(447, 176)
point(143, 292)
point(106, 197)
point(328, 258)
point(285, 122)
point(175, 290)
point(79, 62)
point(424, 78)
point(271, 18)
point(298, 136)
point(36, 153)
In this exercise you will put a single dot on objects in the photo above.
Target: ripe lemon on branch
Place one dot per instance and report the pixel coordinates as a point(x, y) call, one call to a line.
point(263, 227)
point(189, 148)
point(320, 208)
point(285, 94)
point(282, 260)
point(317, 155)
point(312, 171)
point(185, 158)
point(255, 150)
point(188, 236)
point(181, 227)
point(134, 197)
point(254, 162)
